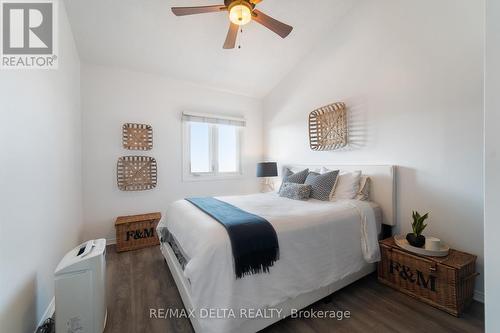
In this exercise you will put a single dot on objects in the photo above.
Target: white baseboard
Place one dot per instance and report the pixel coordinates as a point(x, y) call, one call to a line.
point(49, 312)
point(478, 296)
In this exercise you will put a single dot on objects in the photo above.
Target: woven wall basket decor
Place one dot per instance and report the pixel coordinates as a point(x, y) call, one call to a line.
point(137, 136)
point(136, 173)
point(328, 127)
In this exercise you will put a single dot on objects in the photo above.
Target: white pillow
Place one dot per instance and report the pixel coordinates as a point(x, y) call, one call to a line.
point(324, 170)
point(347, 186)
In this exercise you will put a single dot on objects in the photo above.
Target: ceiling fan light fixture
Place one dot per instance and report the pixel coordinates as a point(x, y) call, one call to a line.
point(240, 13)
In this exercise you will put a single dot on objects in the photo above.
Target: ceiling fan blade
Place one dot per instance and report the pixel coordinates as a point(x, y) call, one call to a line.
point(181, 11)
point(230, 42)
point(278, 27)
point(255, 1)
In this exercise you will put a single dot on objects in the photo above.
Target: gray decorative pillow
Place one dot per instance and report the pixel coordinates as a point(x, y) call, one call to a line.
point(322, 184)
point(297, 177)
point(295, 191)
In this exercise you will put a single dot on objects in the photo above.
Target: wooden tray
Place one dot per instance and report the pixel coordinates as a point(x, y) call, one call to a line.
point(401, 241)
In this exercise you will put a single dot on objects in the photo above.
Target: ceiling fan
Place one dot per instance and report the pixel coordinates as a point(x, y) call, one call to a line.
point(241, 12)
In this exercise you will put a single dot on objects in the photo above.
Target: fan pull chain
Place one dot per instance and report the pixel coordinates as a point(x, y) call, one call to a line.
point(239, 39)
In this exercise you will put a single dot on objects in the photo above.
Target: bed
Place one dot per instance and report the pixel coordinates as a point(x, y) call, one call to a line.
point(324, 246)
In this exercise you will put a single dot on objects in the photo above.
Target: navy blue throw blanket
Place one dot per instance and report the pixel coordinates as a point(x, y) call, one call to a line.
point(253, 239)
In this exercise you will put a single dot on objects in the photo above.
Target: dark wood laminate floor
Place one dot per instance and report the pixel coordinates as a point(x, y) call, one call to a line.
point(140, 280)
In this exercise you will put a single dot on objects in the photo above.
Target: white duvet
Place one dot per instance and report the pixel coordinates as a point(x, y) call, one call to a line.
point(320, 243)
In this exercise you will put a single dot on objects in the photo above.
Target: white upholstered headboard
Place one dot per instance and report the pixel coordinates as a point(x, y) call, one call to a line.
point(383, 184)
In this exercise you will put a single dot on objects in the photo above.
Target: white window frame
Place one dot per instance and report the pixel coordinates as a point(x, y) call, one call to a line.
point(214, 173)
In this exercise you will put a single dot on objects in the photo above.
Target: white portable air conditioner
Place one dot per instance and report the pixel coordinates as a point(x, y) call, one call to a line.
point(80, 289)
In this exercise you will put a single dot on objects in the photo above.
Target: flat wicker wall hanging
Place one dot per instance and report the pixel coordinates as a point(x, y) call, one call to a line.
point(137, 136)
point(136, 173)
point(328, 127)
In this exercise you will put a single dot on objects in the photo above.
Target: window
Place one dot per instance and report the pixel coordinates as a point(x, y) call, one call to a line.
point(211, 146)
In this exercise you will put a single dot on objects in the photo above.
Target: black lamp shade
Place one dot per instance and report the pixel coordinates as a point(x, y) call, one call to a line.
point(267, 169)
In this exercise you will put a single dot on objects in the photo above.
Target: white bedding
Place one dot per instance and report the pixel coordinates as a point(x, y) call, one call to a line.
point(320, 243)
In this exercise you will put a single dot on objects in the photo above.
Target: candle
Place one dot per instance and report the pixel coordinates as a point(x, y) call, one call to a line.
point(432, 244)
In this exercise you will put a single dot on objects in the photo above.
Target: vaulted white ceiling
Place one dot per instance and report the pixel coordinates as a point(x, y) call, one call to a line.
point(144, 35)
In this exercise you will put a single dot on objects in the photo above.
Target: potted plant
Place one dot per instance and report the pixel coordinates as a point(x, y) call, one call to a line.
point(416, 238)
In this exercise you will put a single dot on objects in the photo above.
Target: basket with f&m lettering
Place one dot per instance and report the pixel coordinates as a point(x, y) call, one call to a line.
point(446, 283)
point(136, 231)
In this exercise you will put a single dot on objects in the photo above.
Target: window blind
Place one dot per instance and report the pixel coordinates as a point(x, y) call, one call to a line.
point(213, 119)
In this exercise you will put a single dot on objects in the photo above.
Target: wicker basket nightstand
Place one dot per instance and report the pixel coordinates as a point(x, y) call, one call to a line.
point(446, 283)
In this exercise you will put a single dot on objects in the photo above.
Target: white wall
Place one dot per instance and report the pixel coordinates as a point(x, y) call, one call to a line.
point(492, 165)
point(112, 97)
point(40, 182)
point(411, 74)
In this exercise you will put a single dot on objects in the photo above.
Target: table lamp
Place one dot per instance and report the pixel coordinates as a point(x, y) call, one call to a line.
point(267, 170)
